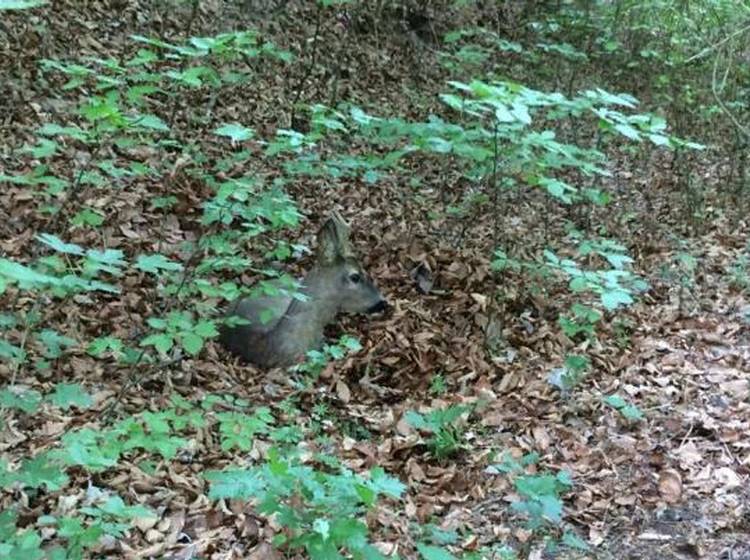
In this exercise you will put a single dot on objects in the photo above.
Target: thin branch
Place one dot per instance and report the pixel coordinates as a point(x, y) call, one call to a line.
point(715, 46)
point(310, 68)
point(721, 103)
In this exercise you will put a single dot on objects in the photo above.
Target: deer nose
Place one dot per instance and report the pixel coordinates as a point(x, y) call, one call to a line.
point(382, 305)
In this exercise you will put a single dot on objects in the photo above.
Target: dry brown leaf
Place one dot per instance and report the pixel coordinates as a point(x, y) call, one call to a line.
point(343, 392)
point(728, 478)
point(670, 486)
point(264, 551)
point(688, 454)
point(541, 437)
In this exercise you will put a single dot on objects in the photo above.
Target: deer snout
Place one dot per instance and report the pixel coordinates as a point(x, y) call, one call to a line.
point(382, 305)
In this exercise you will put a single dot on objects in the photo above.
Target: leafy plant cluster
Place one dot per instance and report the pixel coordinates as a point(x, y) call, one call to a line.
point(683, 56)
point(127, 111)
point(446, 433)
point(504, 139)
point(320, 511)
point(75, 535)
point(540, 500)
point(162, 435)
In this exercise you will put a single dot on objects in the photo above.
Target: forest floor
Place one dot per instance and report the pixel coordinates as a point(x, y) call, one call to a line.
point(673, 485)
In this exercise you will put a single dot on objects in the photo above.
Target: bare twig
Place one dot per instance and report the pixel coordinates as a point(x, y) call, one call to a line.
point(715, 46)
point(721, 103)
point(309, 70)
point(137, 376)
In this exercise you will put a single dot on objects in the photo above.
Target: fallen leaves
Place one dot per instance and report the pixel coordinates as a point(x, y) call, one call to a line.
point(492, 339)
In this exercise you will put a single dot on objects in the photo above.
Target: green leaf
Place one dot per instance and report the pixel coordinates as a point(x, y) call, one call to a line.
point(27, 401)
point(116, 507)
point(44, 148)
point(40, 471)
point(350, 343)
point(151, 122)
point(502, 114)
point(336, 352)
point(52, 129)
point(631, 412)
point(21, 4)
point(574, 541)
point(439, 145)
point(416, 420)
point(90, 449)
point(612, 99)
point(157, 323)
point(322, 527)
point(612, 299)
point(59, 245)
point(577, 363)
point(385, 484)
point(206, 329)
point(578, 284)
point(521, 113)
point(534, 486)
point(11, 352)
point(192, 343)
point(234, 484)
point(627, 131)
point(557, 189)
point(54, 343)
point(163, 202)
point(98, 346)
point(8, 519)
point(551, 507)
point(236, 132)
point(434, 553)
point(7, 321)
point(659, 139)
point(161, 341)
point(565, 478)
point(453, 101)
point(616, 401)
point(70, 394)
point(617, 260)
point(87, 217)
point(367, 495)
point(156, 263)
point(137, 94)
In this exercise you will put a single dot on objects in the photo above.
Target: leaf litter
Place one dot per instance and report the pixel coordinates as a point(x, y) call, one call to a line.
point(674, 483)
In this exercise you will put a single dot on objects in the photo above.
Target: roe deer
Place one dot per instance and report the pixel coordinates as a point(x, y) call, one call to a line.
point(282, 329)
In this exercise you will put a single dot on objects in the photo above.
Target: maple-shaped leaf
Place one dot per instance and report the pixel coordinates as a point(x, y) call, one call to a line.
point(161, 341)
point(234, 484)
point(383, 483)
point(41, 471)
point(70, 394)
point(192, 343)
point(27, 401)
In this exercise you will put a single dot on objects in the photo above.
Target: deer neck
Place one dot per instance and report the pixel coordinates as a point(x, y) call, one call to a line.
point(301, 327)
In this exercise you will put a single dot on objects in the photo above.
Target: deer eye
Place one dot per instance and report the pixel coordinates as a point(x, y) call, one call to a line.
point(355, 278)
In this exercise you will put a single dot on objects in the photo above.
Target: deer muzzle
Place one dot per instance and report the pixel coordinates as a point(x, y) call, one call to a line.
point(380, 306)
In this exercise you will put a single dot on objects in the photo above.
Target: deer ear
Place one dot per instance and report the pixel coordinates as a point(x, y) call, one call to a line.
point(326, 253)
point(333, 240)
